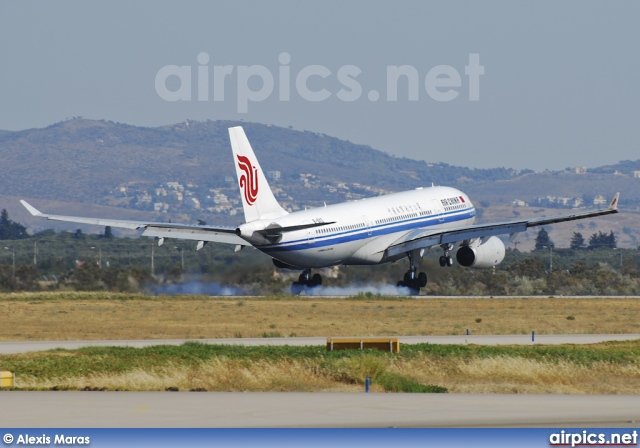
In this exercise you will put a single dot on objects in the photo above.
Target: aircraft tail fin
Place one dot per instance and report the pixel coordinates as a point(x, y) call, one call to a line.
point(258, 201)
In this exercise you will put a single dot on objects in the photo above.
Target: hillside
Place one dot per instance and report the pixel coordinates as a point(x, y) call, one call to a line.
point(63, 160)
point(184, 172)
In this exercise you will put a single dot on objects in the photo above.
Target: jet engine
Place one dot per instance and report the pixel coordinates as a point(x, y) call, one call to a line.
point(483, 255)
point(247, 230)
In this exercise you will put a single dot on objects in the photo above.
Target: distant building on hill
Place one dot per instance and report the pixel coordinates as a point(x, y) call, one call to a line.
point(599, 200)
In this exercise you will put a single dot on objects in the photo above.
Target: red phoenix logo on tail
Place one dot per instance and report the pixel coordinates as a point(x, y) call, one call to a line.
point(248, 179)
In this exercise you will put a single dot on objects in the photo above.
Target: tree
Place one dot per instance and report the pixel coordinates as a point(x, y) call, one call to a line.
point(602, 240)
point(11, 230)
point(529, 267)
point(107, 232)
point(116, 279)
point(577, 241)
point(543, 239)
point(87, 277)
point(47, 233)
point(595, 241)
point(7, 279)
point(26, 278)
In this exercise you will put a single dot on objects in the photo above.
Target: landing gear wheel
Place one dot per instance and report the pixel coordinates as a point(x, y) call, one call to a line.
point(305, 282)
point(316, 280)
point(411, 280)
point(446, 260)
point(414, 288)
point(422, 280)
point(413, 285)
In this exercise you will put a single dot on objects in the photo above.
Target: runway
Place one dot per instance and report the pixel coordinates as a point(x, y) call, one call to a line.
point(32, 346)
point(312, 410)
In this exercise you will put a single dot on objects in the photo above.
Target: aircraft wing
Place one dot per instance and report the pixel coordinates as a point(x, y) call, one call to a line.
point(216, 234)
point(422, 238)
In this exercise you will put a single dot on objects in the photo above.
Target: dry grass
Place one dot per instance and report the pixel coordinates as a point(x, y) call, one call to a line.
point(87, 316)
point(220, 374)
point(504, 375)
point(476, 375)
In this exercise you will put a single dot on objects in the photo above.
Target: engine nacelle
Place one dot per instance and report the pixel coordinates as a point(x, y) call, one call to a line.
point(248, 229)
point(486, 255)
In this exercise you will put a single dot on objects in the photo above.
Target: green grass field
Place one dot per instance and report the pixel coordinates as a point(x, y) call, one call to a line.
point(607, 368)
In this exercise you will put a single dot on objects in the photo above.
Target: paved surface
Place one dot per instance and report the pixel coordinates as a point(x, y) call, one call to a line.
point(31, 346)
point(228, 409)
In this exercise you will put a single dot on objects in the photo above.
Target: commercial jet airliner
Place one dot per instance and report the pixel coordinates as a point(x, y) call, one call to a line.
point(363, 232)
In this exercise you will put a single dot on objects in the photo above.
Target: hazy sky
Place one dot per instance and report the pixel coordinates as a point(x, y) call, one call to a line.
point(559, 88)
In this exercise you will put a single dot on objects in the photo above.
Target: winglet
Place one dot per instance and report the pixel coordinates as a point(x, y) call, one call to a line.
point(34, 211)
point(614, 202)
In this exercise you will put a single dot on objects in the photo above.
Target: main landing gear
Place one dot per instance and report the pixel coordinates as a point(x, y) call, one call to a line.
point(446, 260)
point(305, 282)
point(411, 280)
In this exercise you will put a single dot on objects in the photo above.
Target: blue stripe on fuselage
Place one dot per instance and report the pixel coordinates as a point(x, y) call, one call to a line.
point(370, 232)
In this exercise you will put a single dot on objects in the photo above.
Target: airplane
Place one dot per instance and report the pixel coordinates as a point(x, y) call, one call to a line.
point(368, 231)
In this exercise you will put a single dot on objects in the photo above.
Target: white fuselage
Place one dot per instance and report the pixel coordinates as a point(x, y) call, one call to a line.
point(362, 230)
